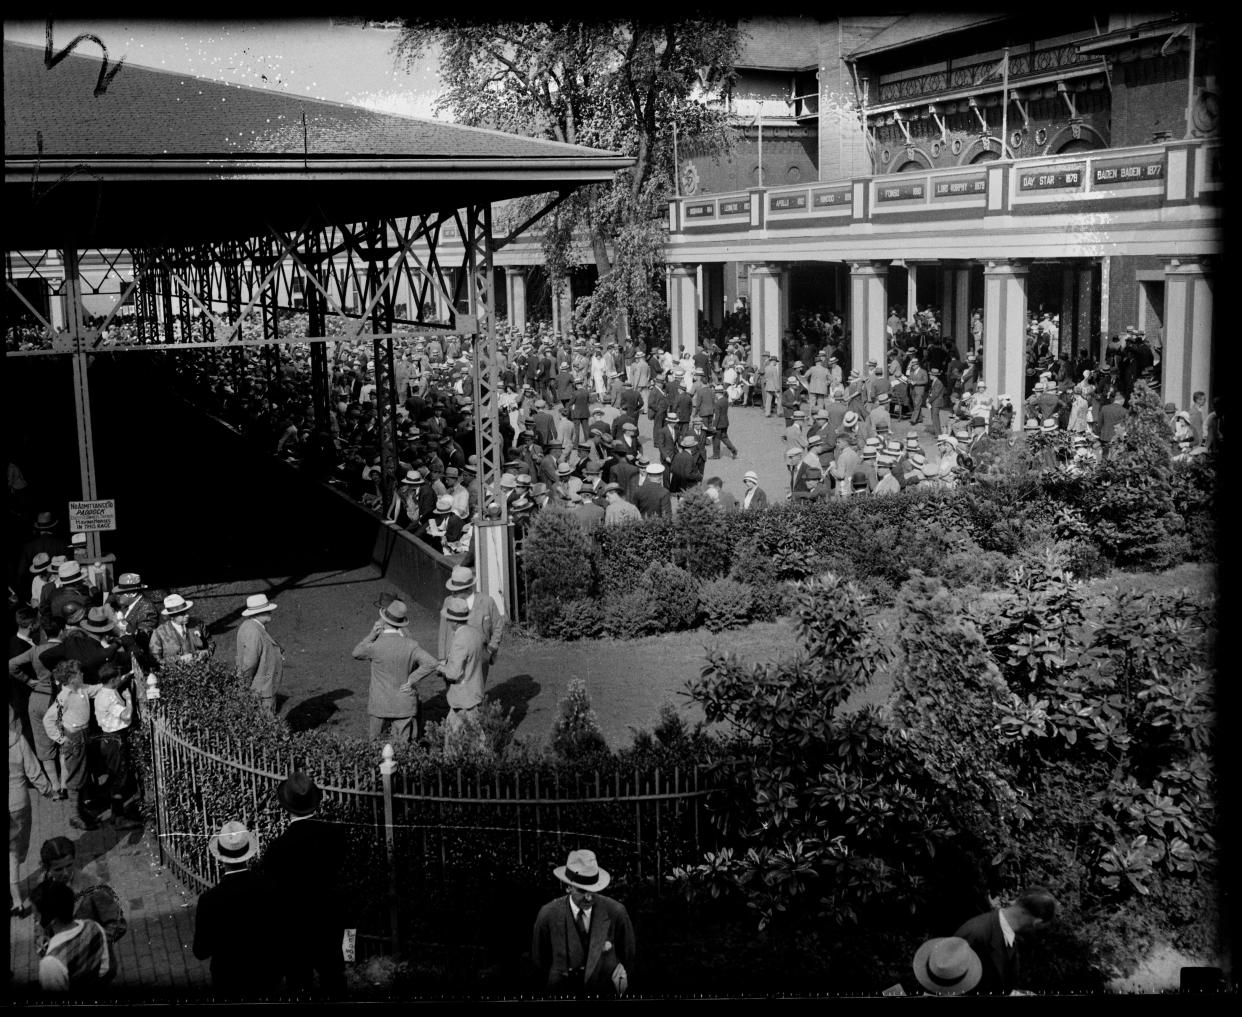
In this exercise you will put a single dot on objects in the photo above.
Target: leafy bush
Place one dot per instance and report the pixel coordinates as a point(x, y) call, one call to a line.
point(576, 735)
point(703, 535)
point(631, 615)
point(726, 604)
point(558, 557)
point(674, 594)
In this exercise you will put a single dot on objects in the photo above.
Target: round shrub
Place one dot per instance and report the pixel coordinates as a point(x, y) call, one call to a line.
point(703, 534)
point(629, 615)
point(1084, 559)
point(725, 604)
point(673, 592)
point(558, 556)
point(580, 618)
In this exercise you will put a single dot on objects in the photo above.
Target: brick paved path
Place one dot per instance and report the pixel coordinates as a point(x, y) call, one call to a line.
point(154, 955)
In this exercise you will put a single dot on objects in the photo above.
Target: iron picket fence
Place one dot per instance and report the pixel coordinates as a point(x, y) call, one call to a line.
point(422, 839)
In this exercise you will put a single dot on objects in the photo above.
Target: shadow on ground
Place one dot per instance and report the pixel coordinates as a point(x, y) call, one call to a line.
point(317, 710)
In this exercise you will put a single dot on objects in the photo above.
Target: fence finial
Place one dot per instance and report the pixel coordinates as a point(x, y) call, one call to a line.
point(388, 765)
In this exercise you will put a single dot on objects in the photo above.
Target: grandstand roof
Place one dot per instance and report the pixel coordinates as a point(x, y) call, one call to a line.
point(915, 28)
point(153, 140)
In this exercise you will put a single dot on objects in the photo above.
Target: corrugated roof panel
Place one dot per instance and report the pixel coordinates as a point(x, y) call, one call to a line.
point(921, 27)
point(148, 113)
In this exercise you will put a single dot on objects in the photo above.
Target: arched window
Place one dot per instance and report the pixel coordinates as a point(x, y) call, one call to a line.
point(984, 155)
point(911, 166)
point(1078, 145)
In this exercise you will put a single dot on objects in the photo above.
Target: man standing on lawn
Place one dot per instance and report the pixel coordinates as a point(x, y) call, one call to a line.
point(398, 663)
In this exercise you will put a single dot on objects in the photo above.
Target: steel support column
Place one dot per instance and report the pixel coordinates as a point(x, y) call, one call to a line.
point(76, 327)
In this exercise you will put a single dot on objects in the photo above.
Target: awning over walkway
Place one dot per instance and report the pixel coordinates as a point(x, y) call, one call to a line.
point(161, 158)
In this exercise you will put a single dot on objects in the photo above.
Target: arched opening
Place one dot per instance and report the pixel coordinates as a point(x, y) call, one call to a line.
point(1078, 145)
point(986, 155)
point(911, 166)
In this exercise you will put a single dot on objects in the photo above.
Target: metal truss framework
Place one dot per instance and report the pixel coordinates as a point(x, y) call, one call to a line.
point(196, 300)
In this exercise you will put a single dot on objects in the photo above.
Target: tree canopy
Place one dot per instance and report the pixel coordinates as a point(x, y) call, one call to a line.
point(616, 85)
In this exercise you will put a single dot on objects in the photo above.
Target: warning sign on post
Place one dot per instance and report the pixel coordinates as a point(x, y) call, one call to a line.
point(92, 515)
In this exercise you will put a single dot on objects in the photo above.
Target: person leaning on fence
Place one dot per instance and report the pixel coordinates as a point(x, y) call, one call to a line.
point(304, 865)
point(114, 713)
point(231, 920)
point(398, 663)
point(583, 942)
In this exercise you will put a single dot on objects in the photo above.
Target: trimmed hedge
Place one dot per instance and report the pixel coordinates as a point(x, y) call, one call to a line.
point(1137, 510)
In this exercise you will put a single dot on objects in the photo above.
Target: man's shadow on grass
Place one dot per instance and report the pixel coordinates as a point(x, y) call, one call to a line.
point(513, 694)
point(317, 710)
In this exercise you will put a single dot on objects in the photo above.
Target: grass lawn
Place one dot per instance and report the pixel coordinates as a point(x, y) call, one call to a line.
point(628, 680)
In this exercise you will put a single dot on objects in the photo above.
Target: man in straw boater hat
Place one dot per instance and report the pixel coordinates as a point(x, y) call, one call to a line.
point(398, 663)
point(173, 639)
point(231, 923)
point(484, 614)
point(304, 865)
point(583, 942)
point(947, 966)
point(260, 660)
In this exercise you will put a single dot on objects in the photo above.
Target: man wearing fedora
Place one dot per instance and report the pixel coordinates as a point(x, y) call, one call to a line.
point(260, 660)
point(305, 865)
point(583, 942)
point(484, 614)
point(398, 663)
point(68, 589)
point(173, 639)
point(136, 617)
point(994, 934)
point(85, 639)
point(230, 922)
point(44, 541)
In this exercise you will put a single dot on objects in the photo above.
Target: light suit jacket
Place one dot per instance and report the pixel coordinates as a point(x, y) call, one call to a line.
point(259, 658)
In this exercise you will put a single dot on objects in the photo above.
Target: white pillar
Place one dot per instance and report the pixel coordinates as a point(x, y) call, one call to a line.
point(683, 307)
point(912, 291)
point(768, 310)
point(515, 296)
point(1004, 331)
point(868, 314)
point(1187, 356)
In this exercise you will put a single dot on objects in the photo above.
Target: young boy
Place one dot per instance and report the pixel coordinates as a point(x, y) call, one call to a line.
point(114, 710)
point(66, 723)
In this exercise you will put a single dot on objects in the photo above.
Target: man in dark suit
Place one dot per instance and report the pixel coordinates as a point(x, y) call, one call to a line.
point(231, 921)
point(666, 438)
point(304, 864)
point(720, 421)
point(685, 472)
point(993, 936)
point(652, 497)
point(623, 471)
point(657, 405)
point(583, 942)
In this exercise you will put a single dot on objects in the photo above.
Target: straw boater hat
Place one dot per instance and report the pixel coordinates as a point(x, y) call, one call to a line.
point(234, 843)
point(174, 603)
point(395, 614)
point(654, 469)
point(70, 572)
point(98, 620)
point(256, 604)
point(455, 609)
point(130, 582)
point(444, 505)
point(298, 794)
point(461, 579)
point(947, 966)
point(687, 442)
point(583, 872)
point(42, 562)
